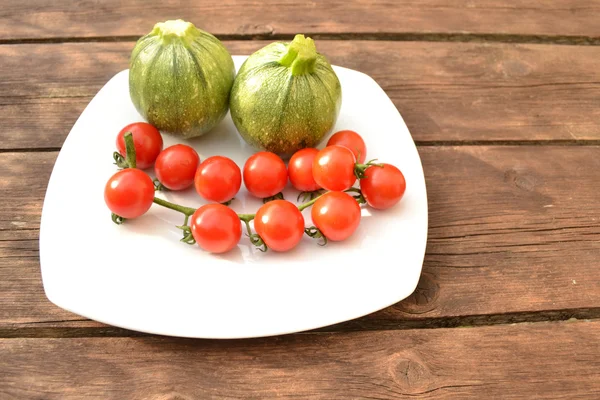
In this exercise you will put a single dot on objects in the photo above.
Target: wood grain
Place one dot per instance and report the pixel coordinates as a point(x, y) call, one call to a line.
point(511, 230)
point(445, 91)
point(543, 360)
point(65, 19)
point(23, 181)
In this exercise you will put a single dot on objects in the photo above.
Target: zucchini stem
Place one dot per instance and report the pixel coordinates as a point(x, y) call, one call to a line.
point(178, 29)
point(301, 56)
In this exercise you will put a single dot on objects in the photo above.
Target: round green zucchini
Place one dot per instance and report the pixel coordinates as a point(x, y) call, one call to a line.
point(285, 97)
point(180, 78)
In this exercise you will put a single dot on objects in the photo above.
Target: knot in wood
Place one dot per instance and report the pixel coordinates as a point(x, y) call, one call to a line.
point(514, 68)
point(410, 375)
point(521, 180)
point(424, 298)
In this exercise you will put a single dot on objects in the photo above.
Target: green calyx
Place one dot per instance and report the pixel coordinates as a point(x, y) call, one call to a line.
point(301, 56)
point(176, 29)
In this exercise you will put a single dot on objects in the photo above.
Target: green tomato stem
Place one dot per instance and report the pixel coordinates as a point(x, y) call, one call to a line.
point(246, 217)
point(255, 239)
point(159, 187)
point(130, 150)
point(278, 196)
point(353, 190)
point(247, 223)
point(359, 169)
point(302, 207)
point(301, 56)
point(117, 219)
point(310, 195)
point(119, 160)
point(187, 211)
point(316, 233)
point(359, 197)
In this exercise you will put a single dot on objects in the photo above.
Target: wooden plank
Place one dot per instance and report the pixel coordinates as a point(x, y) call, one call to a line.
point(23, 181)
point(62, 18)
point(445, 91)
point(511, 230)
point(544, 360)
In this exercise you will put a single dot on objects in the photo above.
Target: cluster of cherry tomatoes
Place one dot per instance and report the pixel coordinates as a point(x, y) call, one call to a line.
point(326, 177)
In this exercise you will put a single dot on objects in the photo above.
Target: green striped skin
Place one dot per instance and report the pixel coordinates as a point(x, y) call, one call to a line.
point(180, 79)
point(277, 111)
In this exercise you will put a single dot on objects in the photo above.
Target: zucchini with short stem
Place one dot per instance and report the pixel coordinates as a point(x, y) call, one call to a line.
point(285, 97)
point(180, 78)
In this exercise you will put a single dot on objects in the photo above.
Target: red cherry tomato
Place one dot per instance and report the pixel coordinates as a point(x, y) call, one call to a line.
point(129, 193)
point(280, 225)
point(383, 187)
point(216, 228)
point(351, 140)
point(333, 168)
point(147, 142)
point(300, 170)
point(218, 179)
point(265, 174)
point(176, 166)
point(336, 214)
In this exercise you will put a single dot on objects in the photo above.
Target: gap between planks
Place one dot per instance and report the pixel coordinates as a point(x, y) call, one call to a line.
point(397, 37)
point(418, 143)
point(39, 330)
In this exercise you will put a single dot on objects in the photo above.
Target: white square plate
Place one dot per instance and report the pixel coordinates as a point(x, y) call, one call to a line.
point(139, 275)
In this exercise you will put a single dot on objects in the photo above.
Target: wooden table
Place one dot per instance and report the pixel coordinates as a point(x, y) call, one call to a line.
point(503, 101)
